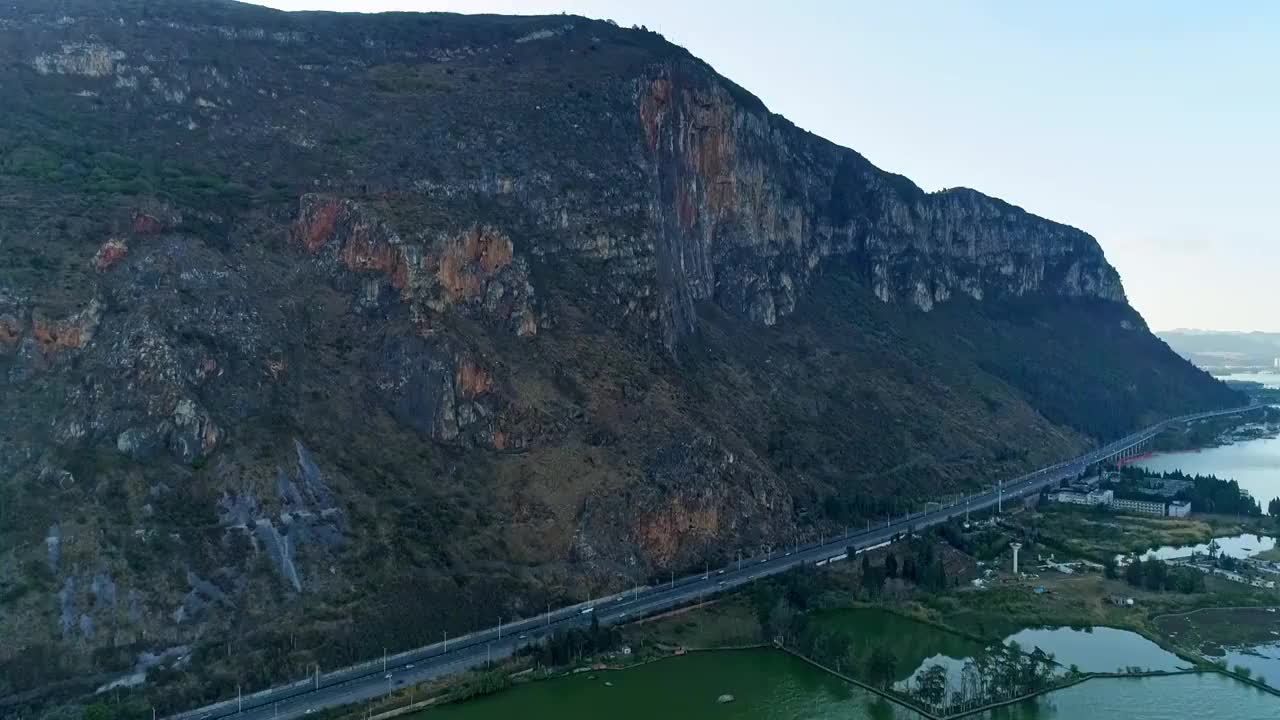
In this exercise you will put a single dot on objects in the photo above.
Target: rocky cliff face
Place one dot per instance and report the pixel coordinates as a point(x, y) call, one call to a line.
point(747, 209)
point(304, 312)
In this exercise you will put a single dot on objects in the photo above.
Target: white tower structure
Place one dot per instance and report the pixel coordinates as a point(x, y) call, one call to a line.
point(1016, 547)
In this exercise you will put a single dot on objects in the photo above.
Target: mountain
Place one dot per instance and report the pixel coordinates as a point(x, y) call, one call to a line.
point(326, 333)
point(1225, 351)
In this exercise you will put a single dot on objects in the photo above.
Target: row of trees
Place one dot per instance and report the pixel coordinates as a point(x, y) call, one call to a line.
point(567, 646)
point(921, 565)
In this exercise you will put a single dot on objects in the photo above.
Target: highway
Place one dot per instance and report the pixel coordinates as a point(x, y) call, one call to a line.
point(373, 679)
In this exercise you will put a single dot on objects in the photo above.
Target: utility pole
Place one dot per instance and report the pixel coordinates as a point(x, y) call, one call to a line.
point(317, 676)
point(384, 659)
point(499, 627)
point(446, 641)
point(239, 699)
point(548, 614)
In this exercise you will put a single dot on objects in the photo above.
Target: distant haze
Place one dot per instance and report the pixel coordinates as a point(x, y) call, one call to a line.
point(1151, 125)
point(1220, 351)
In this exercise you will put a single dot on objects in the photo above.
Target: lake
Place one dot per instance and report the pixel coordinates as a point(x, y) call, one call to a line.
point(915, 645)
point(1207, 696)
point(1262, 660)
point(1099, 649)
point(1236, 546)
point(769, 685)
point(1255, 464)
point(766, 685)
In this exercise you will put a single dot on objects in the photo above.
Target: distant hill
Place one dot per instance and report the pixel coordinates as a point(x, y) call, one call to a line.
point(1219, 351)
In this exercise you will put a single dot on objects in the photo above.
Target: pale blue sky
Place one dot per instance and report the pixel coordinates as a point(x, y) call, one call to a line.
point(1155, 126)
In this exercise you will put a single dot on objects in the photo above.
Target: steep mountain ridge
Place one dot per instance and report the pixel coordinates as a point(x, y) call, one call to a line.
point(371, 327)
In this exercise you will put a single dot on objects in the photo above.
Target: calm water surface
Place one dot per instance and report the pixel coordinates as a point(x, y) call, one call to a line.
point(1262, 660)
point(916, 645)
point(1207, 696)
point(1255, 464)
point(766, 685)
point(1099, 649)
point(1236, 546)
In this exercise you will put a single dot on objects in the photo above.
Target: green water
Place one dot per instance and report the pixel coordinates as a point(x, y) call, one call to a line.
point(770, 685)
point(914, 644)
point(1207, 696)
point(917, 645)
point(766, 684)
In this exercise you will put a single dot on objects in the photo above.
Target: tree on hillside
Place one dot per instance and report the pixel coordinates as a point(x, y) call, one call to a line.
point(891, 566)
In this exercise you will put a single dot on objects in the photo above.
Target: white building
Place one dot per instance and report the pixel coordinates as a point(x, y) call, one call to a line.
point(1179, 508)
point(1144, 507)
point(1071, 498)
point(1095, 497)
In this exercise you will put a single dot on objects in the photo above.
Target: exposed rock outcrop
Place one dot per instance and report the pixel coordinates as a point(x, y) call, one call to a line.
point(747, 208)
point(73, 332)
point(10, 333)
point(475, 269)
point(111, 252)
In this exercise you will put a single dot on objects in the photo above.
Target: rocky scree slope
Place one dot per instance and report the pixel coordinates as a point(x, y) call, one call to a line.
point(323, 333)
